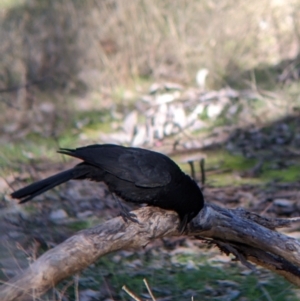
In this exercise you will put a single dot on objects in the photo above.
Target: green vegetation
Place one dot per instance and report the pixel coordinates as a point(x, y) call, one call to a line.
point(288, 174)
point(79, 225)
point(181, 278)
point(32, 149)
point(83, 224)
point(235, 165)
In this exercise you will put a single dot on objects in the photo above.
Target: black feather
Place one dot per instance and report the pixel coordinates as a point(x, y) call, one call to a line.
point(134, 174)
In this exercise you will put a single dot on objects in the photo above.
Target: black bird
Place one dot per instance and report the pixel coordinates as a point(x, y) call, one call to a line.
point(134, 174)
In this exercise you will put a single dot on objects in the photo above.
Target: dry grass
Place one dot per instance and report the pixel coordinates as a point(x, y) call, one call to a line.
point(71, 47)
point(105, 43)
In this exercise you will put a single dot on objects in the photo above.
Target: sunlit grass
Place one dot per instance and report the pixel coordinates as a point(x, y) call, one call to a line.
point(289, 174)
point(232, 167)
point(35, 148)
point(7, 4)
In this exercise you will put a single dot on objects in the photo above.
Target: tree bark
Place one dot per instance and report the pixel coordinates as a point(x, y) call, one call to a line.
point(247, 236)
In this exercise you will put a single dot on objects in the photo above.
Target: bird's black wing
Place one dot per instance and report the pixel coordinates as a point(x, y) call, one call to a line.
point(142, 167)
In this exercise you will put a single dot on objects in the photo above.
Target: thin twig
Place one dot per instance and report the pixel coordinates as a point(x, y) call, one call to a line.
point(76, 282)
point(202, 168)
point(131, 294)
point(149, 289)
point(191, 163)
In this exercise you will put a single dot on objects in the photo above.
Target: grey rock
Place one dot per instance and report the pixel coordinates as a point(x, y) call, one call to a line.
point(58, 214)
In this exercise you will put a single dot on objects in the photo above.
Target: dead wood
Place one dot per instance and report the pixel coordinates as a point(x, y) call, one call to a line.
point(247, 236)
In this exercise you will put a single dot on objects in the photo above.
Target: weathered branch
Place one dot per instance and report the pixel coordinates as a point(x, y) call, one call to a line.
point(252, 238)
point(247, 236)
point(232, 226)
point(84, 248)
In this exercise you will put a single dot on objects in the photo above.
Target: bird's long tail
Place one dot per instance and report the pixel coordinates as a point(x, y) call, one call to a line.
point(27, 193)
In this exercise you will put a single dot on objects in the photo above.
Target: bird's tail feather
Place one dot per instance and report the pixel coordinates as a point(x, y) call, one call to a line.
point(27, 193)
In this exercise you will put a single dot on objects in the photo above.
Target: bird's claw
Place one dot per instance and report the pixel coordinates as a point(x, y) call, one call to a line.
point(183, 225)
point(126, 215)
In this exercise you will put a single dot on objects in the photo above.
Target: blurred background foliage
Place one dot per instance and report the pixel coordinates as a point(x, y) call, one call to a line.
point(83, 62)
point(77, 58)
point(81, 45)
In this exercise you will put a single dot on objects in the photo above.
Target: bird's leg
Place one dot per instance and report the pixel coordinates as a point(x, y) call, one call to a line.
point(126, 215)
point(183, 224)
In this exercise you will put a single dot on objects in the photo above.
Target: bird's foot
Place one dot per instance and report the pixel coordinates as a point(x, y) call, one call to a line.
point(126, 215)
